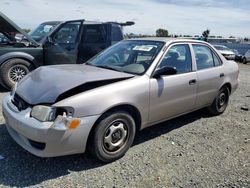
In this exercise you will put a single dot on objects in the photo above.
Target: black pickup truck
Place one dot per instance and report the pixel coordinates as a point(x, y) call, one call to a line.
point(58, 42)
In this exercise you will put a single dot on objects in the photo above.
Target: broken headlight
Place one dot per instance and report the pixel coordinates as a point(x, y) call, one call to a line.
point(50, 113)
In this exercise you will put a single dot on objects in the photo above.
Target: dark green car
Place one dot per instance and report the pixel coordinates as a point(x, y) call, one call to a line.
point(57, 42)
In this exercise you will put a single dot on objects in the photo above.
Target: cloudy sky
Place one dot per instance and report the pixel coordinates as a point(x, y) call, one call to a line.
point(222, 17)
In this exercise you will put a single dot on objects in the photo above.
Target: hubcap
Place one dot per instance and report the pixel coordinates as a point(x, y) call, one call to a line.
point(16, 73)
point(115, 136)
point(222, 99)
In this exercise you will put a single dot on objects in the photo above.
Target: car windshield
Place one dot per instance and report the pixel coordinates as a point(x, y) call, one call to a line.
point(221, 48)
point(130, 56)
point(41, 31)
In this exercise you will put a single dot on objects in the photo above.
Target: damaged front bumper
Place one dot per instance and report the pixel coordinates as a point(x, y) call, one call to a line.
point(42, 138)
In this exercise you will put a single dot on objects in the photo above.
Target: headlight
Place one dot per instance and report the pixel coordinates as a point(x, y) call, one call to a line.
point(62, 117)
point(43, 113)
point(49, 113)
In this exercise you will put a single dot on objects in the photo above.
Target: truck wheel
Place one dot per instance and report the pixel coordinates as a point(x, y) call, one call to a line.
point(113, 136)
point(220, 103)
point(13, 71)
point(244, 61)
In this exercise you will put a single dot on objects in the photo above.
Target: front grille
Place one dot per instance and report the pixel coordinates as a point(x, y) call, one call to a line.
point(37, 145)
point(19, 102)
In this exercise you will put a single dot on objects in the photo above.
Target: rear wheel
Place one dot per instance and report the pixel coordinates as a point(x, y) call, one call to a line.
point(13, 71)
point(113, 136)
point(220, 103)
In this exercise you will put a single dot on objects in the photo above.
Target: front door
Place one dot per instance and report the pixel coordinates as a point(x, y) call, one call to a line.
point(63, 45)
point(173, 95)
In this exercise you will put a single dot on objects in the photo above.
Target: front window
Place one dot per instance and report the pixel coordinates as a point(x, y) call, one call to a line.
point(179, 57)
point(132, 56)
point(68, 33)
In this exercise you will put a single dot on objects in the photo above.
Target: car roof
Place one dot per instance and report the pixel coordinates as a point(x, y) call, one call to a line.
point(168, 39)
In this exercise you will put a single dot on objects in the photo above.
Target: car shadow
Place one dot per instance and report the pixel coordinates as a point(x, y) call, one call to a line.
point(21, 169)
point(2, 89)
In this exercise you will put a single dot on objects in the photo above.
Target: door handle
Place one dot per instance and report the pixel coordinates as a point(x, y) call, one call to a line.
point(192, 82)
point(222, 74)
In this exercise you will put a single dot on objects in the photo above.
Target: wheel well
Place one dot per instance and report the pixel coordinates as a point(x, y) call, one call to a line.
point(228, 85)
point(25, 59)
point(133, 111)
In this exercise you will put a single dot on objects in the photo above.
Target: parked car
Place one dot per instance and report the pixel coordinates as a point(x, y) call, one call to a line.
point(238, 57)
point(99, 106)
point(226, 52)
point(246, 57)
point(70, 42)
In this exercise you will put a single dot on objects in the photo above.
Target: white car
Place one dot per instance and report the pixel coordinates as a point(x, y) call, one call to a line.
point(226, 52)
point(246, 57)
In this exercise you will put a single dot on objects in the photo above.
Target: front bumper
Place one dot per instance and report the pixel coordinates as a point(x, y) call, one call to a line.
point(39, 138)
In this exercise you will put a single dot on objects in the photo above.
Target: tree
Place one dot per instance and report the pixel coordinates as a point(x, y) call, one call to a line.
point(205, 34)
point(161, 32)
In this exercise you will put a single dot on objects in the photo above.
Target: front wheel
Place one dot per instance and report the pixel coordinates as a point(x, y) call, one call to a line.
point(13, 71)
point(113, 136)
point(220, 103)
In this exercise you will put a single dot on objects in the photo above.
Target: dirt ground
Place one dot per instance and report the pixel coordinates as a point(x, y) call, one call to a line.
point(195, 150)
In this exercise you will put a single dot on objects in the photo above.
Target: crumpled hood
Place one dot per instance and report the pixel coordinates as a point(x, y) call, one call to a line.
point(46, 84)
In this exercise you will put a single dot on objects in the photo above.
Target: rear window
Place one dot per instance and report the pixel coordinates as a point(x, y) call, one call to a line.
point(116, 34)
point(94, 34)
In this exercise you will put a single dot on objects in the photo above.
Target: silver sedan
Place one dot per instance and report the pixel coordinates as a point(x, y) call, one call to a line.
point(99, 106)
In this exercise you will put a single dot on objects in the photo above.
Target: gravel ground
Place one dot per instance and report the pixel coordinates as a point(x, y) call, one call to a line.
point(195, 150)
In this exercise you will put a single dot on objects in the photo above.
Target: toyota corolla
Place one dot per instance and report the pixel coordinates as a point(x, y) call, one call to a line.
point(99, 106)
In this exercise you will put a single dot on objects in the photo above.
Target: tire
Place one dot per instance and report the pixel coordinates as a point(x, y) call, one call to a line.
point(113, 136)
point(220, 103)
point(244, 61)
point(13, 71)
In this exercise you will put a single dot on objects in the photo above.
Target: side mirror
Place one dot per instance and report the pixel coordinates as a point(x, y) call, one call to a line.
point(165, 71)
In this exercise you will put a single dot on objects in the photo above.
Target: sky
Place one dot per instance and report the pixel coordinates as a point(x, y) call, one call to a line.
point(223, 17)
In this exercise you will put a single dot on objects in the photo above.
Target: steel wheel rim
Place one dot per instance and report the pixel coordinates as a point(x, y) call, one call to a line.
point(115, 136)
point(222, 100)
point(16, 73)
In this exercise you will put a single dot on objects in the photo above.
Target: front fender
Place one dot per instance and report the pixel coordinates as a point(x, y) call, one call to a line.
point(134, 92)
point(21, 55)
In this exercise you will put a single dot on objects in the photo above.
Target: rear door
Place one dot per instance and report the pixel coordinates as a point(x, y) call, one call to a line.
point(63, 45)
point(210, 74)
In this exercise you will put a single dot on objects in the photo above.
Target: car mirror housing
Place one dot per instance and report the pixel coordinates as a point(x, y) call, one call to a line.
point(165, 71)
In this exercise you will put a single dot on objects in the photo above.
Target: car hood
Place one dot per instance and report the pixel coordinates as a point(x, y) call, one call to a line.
point(46, 84)
point(8, 26)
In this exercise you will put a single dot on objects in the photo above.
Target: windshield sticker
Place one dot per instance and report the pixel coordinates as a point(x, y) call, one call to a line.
point(145, 48)
point(47, 28)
